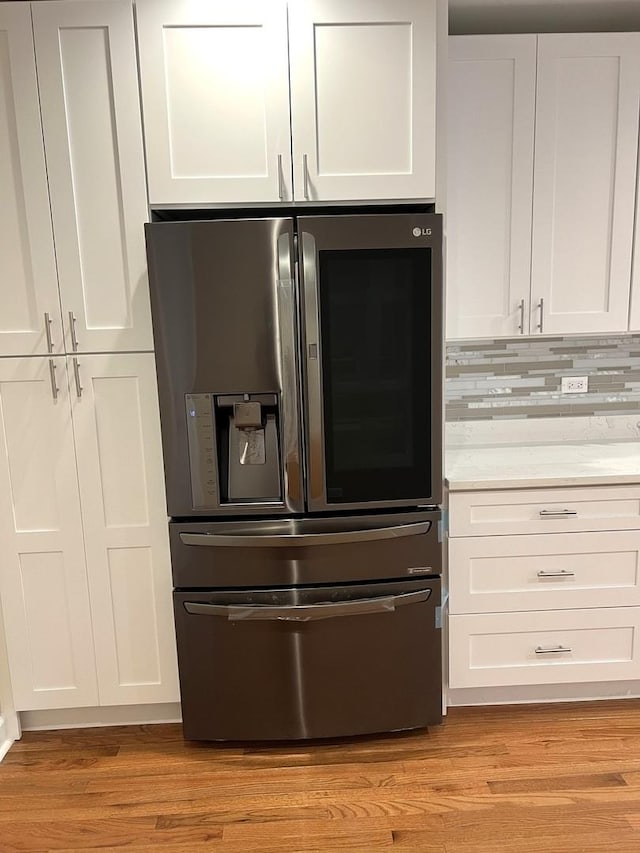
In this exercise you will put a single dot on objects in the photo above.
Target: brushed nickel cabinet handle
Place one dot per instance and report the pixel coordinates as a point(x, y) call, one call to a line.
point(280, 182)
point(47, 330)
point(540, 325)
point(52, 375)
point(76, 375)
point(557, 513)
point(521, 323)
point(554, 650)
point(72, 325)
point(563, 573)
point(305, 176)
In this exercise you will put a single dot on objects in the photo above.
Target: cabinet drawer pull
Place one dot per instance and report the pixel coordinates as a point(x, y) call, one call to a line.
point(521, 323)
point(563, 573)
point(557, 513)
point(554, 650)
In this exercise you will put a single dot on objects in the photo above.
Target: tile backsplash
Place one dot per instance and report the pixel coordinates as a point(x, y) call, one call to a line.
point(521, 377)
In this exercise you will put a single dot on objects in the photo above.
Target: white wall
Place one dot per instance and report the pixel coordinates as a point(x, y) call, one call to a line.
point(540, 16)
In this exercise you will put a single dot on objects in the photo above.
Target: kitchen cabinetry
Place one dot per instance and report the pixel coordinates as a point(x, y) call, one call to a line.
point(221, 120)
point(491, 113)
point(85, 581)
point(580, 189)
point(530, 599)
point(28, 284)
point(93, 184)
point(85, 586)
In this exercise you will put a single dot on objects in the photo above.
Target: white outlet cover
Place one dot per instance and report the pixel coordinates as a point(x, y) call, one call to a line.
point(575, 384)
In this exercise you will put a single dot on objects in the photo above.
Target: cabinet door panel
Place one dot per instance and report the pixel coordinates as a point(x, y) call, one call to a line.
point(92, 130)
point(215, 96)
point(584, 186)
point(28, 283)
point(491, 109)
point(363, 127)
point(43, 580)
point(116, 423)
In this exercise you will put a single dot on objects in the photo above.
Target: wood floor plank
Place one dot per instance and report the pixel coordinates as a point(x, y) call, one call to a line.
point(549, 779)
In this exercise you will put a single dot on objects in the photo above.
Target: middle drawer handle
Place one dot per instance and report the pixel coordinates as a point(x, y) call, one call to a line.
point(563, 573)
point(554, 650)
point(557, 513)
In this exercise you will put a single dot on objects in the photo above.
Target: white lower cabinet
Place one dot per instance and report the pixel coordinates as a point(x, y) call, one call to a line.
point(85, 582)
point(544, 647)
point(547, 589)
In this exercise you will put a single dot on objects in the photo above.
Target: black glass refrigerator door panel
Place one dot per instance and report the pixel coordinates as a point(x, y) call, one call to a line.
point(309, 663)
point(224, 317)
point(372, 309)
point(375, 329)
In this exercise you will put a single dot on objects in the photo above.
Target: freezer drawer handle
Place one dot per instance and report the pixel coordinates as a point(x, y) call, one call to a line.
point(302, 540)
point(307, 612)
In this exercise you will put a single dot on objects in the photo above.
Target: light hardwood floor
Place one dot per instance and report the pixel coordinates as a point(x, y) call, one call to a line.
point(528, 779)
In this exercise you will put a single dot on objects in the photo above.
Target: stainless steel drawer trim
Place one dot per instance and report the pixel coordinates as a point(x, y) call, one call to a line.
point(308, 612)
point(303, 540)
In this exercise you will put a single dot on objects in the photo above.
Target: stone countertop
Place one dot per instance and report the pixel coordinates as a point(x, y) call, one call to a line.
point(539, 465)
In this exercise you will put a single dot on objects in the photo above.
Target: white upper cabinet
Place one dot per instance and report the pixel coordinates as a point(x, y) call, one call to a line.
point(117, 431)
point(363, 96)
point(557, 262)
point(634, 312)
point(491, 114)
point(43, 584)
point(28, 282)
point(93, 140)
point(584, 188)
point(215, 96)
point(221, 119)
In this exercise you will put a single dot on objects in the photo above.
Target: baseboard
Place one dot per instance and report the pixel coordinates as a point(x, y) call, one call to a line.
point(5, 740)
point(117, 715)
point(541, 693)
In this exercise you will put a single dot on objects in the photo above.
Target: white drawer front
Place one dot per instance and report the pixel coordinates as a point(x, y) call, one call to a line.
point(571, 570)
point(511, 511)
point(496, 650)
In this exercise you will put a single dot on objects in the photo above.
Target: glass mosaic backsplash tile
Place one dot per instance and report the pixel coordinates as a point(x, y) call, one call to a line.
point(521, 377)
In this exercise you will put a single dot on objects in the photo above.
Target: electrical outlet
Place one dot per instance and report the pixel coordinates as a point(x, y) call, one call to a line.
point(575, 384)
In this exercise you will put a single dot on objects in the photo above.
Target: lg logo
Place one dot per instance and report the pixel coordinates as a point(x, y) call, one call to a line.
point(421, 232)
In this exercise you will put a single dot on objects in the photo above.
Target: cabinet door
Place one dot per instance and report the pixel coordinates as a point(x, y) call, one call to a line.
point(584, 184)
point(215, 95)
point(117, 430)
point(363, 87)
point(28, 282)
point(491, 109)
point(43, 580)
point(91, 119)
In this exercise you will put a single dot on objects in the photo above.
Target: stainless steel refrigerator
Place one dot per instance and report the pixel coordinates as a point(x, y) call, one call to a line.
point(299, 368)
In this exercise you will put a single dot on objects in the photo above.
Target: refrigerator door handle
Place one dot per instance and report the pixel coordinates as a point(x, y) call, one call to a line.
point(287, 355)
point(313, 367)
point(302, 540)
point(307, 612)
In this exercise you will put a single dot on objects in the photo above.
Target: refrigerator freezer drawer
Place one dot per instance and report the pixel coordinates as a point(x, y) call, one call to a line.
point(291, 552)
point(309, 663)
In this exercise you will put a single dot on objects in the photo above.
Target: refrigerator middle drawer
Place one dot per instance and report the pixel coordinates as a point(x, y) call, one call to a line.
point(293, 552)
point(311, 663)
